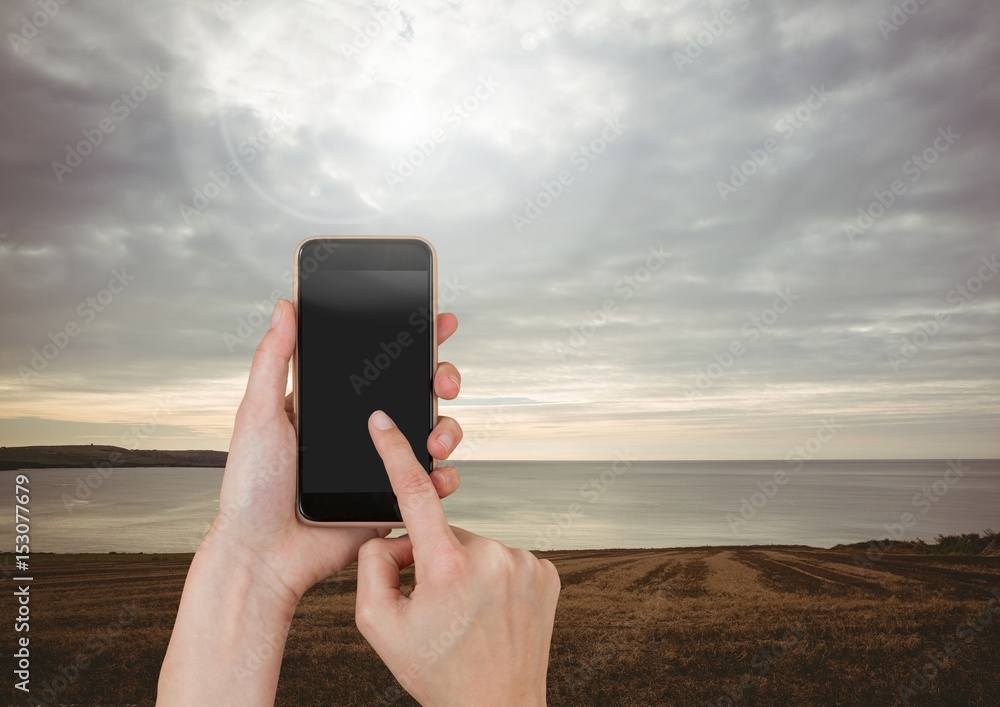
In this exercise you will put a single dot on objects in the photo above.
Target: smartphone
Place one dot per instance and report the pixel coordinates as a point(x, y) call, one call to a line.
point(366, 341)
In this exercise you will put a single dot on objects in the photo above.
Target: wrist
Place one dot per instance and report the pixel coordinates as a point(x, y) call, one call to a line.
point(231, 627)
point(226, 557)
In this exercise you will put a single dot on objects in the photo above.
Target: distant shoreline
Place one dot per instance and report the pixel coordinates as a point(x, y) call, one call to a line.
point(84, 456)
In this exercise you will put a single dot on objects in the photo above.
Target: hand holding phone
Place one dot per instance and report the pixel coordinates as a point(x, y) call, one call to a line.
point(477, 626)
point(257, 560)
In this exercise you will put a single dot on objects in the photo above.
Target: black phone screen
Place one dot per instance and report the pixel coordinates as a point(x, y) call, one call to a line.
point(365, 343)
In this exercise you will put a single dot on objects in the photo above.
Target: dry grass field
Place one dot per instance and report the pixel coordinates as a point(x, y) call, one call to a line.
point(719, 626)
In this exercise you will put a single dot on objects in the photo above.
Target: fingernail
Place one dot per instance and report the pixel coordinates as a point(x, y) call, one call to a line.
point(381, 420)
point(454, 380)
point(445, 439)
point(276, 315)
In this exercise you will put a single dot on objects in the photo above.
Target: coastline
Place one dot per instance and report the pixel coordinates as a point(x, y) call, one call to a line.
point(83, 456)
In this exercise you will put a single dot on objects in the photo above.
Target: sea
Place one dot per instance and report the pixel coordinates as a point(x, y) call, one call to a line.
point(548, 505)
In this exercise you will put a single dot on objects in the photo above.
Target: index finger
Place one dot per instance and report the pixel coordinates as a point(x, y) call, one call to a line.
point(418, 499)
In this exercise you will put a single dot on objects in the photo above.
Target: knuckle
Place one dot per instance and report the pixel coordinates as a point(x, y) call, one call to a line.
point(261, 357)
point(397, 454)
point(249, 417)
point(365, 618)
point(417, 482)
point(523, 557)
point(244, 414)
point(371, 547)
point(500, 558)
point(396, 444)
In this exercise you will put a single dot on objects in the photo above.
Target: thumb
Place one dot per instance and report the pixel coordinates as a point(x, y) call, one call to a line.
point(380, 561)
point(269, 371)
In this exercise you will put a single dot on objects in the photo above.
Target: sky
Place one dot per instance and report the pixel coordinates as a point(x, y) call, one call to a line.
point(670, 230)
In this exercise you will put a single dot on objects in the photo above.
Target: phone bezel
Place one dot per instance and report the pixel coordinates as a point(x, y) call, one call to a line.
point(356, 509)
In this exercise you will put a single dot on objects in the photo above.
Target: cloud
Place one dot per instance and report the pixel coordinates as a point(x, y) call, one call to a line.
point(301, 118)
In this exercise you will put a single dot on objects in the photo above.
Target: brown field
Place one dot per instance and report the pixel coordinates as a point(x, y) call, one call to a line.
point(766, 625)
